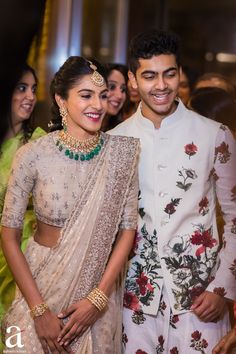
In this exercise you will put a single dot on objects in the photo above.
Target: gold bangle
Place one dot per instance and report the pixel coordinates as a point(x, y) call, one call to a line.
point(98, 298)
point(38, 310)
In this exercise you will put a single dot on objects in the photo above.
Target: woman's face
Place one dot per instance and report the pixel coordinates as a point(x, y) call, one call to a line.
point(23, 98)
point(184, 88)
point(133, 93)
point(117, 92)
point(86, 105)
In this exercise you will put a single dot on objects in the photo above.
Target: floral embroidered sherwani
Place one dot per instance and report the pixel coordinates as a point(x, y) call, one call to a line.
point(184, 166)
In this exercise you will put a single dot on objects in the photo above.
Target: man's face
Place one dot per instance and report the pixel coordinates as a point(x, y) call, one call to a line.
point(157, 80)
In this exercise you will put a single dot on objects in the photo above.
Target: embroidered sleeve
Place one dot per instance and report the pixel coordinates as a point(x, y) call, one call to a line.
point(130, 214)
point(225, 179)
point(19, 187)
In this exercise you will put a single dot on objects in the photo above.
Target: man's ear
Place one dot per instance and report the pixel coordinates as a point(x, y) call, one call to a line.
point(132, 79)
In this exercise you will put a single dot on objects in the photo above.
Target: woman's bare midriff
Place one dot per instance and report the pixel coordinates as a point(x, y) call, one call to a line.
point(46, 235)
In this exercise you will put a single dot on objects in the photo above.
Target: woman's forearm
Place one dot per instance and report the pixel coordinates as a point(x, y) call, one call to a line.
point(19, 267)
point(117, 260)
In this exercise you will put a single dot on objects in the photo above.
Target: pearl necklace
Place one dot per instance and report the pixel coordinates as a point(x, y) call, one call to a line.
point(76, 149)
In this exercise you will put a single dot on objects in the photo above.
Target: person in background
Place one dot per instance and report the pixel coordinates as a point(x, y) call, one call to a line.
point(117, 94)
point(85, 191)
point(227, 345)
point(132, 101)
point(213, 79)
point(179, 277)
point(20, 131)
point(215, 103)
point(187, 79)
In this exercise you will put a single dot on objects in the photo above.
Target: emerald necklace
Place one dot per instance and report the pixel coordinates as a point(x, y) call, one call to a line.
point(82, 150)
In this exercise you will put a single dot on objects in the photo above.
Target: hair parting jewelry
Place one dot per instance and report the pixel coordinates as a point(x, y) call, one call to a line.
point(98, 298)
point(38, 310)
point(96, 78)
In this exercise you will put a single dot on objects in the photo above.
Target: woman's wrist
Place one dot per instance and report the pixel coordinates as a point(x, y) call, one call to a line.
point(38, 310)
point(98, 298)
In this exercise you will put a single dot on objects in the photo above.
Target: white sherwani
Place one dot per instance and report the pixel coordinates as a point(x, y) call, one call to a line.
point(184, 165)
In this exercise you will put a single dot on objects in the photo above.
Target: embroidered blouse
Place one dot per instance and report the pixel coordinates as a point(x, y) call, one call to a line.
point(56, 182)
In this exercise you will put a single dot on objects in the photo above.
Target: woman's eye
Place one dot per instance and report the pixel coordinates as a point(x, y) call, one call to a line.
point(123, 89)
point(104, 96)
point(21, 87)
point(111, 87)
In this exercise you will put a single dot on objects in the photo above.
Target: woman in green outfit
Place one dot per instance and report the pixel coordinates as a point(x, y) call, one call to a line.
point(20, 131)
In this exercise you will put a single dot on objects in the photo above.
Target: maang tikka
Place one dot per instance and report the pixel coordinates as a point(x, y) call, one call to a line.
point(96, 78)
point(63, 113)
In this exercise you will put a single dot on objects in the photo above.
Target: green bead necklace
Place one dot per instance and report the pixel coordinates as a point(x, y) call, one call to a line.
point(84, 150)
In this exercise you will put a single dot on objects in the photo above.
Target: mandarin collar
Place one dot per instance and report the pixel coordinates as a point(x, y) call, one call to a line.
point(168, 121)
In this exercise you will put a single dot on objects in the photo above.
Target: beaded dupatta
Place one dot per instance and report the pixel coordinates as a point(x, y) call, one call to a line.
point(76, 264)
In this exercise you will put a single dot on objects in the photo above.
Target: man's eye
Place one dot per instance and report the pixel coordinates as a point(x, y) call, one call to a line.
point(148, 77)
point(86, 96)
point(171, 74)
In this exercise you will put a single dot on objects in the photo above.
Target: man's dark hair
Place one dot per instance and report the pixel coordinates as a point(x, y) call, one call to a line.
point(152, 42)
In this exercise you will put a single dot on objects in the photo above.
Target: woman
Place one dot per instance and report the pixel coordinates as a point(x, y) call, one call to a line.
point(84, 186)
point(132, 101)
point(20, 131)
point(117, 85)
point(227, 345)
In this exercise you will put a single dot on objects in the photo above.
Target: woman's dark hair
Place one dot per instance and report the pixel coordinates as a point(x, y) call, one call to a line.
point(123, 69)
point(74, 68)
point(109, 122)
point(150, 43)
point(214, 103)
point(27, 125)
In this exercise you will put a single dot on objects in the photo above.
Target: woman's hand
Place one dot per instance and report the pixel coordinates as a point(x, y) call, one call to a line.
point(48, 327)
point(227, 344)
point(82, 314)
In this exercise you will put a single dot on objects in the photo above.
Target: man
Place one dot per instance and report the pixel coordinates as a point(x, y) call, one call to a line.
point(178, 280)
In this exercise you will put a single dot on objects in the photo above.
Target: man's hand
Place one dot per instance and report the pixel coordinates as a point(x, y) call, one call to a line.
point(209, 307)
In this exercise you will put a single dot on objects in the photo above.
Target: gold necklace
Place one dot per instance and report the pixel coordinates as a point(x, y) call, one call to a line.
point(79, 149)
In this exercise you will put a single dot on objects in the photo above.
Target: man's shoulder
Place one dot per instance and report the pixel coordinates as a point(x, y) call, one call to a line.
point(125, 128)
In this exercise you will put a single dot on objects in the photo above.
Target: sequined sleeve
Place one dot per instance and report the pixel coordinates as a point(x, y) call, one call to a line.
point(20, 185)
point(130, 214)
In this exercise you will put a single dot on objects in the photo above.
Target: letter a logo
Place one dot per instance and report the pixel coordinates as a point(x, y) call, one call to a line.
point(15, 339)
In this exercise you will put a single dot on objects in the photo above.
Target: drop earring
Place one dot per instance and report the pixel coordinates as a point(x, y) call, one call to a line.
point(63, 113)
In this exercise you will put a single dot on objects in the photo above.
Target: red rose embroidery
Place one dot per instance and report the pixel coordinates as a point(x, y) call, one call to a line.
point(190, 149)
point(204, 238)
point(131, 301)
point(204, 206)
point(219, 291)
point(196, 335)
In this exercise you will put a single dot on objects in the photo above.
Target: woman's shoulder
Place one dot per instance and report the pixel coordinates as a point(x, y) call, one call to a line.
point(37, 146)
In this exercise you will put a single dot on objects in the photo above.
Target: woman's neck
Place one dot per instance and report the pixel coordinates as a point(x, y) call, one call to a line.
point(13, 131)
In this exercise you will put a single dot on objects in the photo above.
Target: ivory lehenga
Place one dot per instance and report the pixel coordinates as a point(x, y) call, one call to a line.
point(91, 200)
